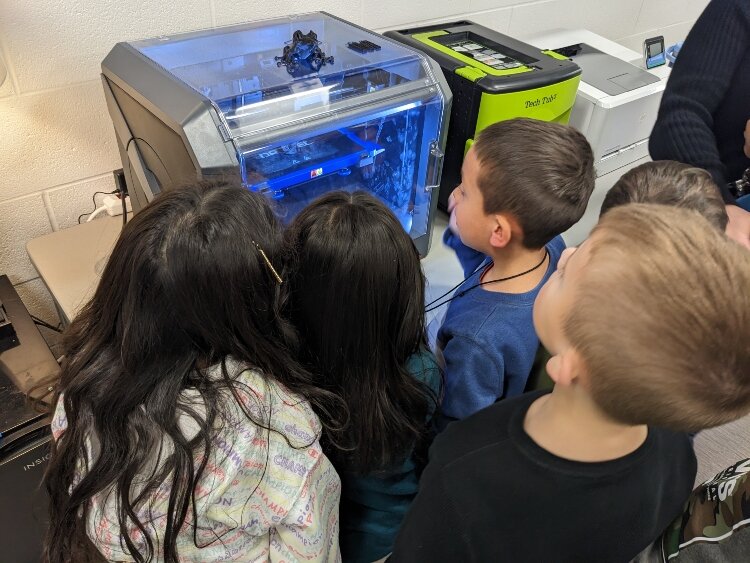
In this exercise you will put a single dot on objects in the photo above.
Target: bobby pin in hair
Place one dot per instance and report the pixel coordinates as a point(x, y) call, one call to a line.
point(270, 266)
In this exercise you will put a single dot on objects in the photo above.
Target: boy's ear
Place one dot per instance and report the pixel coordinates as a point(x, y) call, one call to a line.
point(502, 231)
point(565, 368)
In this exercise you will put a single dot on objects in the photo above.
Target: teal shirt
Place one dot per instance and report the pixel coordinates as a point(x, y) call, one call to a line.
point(373, 507)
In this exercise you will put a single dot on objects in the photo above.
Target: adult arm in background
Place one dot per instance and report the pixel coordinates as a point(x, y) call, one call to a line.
point(697, 86)
point(701, 77)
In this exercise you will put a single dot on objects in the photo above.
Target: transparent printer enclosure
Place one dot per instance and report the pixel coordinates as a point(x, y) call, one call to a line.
point(371, 118)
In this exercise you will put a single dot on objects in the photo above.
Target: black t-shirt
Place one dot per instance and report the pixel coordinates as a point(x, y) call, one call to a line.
point(490, 493)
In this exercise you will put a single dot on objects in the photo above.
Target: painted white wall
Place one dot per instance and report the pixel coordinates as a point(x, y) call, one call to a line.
point(57, 145)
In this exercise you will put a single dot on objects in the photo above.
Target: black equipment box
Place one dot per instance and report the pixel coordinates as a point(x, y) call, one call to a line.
point(24, 434)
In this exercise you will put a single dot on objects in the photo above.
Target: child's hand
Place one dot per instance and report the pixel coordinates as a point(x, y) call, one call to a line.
point(452, 225)
point(747, 139)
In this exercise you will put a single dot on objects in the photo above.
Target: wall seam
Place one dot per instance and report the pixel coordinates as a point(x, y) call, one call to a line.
point(56, 187)
point(57, 88)
point(638, 17)
point(26, 281)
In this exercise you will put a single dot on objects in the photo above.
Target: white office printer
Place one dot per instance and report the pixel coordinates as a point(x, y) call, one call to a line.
point(616, 109)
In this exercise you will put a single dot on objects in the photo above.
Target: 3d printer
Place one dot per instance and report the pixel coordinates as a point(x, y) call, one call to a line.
point(295, 106)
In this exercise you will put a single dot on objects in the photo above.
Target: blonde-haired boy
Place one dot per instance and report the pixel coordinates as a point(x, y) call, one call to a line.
point(648, 324)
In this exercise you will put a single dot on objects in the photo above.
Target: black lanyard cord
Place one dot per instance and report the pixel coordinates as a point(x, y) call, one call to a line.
point(431, 306)
point(451, 290)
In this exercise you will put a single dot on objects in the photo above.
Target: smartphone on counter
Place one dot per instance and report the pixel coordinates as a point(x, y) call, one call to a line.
point(653, 52)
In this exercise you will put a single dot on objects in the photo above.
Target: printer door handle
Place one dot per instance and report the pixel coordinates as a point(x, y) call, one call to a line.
point(434, 167)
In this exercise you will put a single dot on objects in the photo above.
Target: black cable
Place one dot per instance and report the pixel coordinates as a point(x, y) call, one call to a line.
point(124, 208)
point(93, 201)
point(459, 284)
point(130, 168)
point(431, 306)
point(45, 324)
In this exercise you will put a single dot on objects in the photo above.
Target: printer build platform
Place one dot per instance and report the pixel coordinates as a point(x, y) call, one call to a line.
point(615, 109)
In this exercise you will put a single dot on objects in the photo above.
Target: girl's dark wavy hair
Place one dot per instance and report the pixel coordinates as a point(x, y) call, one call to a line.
point(357, 298)
point(185, 288)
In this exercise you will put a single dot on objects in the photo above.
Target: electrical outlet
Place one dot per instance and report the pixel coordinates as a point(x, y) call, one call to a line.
point(113, 204)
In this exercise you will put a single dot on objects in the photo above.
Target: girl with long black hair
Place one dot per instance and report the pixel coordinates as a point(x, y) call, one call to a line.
point(358, 302)
point(181, 431)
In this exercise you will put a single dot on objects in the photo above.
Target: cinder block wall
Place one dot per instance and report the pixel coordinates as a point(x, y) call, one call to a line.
point(57, 145)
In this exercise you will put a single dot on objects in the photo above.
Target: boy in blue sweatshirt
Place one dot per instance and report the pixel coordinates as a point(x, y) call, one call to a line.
point(524, 182)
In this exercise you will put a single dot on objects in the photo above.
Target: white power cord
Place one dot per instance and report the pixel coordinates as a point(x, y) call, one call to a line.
point(98, 211)
point(114, 205)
